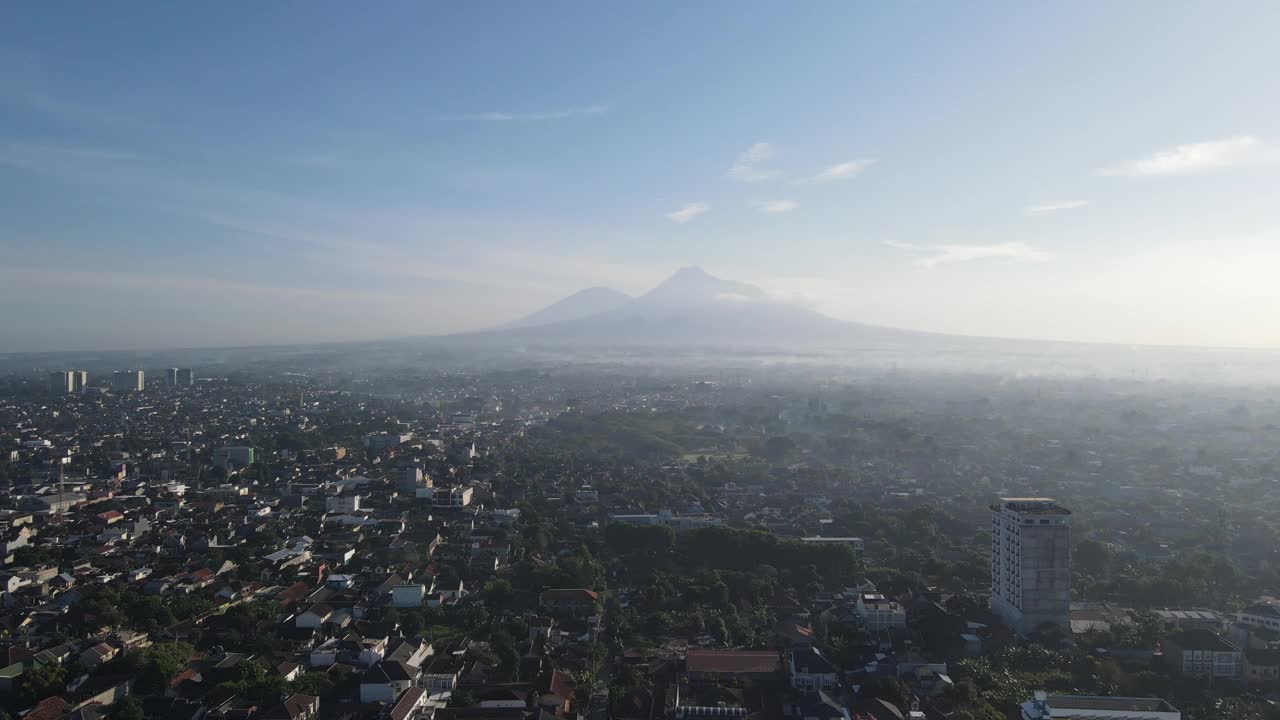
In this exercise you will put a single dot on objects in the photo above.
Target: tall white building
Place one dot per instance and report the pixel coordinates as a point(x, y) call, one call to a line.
point(127, 380)
point(79, 380)
point(1031, 563)
point(61, 381)
point(171, 377)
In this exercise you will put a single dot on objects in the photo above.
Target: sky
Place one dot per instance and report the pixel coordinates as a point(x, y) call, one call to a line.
point(179, 174)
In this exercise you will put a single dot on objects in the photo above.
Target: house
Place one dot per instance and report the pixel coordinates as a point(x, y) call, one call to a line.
point(718, 664)
point(810, 671)
point(880, 613)
point(1261, 665)
point(410, 705)
point(1262, 615)
point(295, 707)
point(385, 681)
point(1203, 653)
point(314, 616)
point(289, 671)
point(98, 654)
point(1046, 707)
point(406, 596)
point(819, 706)
point(569, 602)
point(411, 652)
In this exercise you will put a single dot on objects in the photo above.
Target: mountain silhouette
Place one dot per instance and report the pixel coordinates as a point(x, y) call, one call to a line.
point(689, 308)
point(584, 303)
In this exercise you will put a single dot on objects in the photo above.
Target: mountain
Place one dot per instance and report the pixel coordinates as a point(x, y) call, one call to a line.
point(693, 308)
point(582, 304)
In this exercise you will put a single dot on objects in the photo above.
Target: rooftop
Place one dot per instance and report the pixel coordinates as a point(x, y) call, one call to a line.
point(1066, 703)
point(733, 661)
point(1031, 506)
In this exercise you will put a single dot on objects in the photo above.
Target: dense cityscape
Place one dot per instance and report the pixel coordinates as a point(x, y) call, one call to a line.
point(599, 542)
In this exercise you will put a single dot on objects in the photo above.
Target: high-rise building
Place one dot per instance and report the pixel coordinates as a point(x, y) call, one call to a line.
point(79, 380)
point(186, 377)
point(1031, 563)
point(61, 381)
point(171, 377)
point(127, 380)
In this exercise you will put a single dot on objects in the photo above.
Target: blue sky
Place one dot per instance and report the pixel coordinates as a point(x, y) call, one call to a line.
point(173, 174)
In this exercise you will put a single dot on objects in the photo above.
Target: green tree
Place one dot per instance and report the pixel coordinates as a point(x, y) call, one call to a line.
point(128, 708)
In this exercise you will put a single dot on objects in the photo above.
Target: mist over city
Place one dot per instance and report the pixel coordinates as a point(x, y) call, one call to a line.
point(573, 361)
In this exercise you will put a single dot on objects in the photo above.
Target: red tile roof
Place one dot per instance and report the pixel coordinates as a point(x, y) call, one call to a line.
point(743, 662)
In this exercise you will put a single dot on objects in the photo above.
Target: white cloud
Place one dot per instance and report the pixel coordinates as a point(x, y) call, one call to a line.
point(947, 254)
point(543, 115)
point(688, 212)
point(1236, 151)
point(898, 244)
point(842, 171)
point(1055, 207)
point(745, 168)
point(733, 297)
point(778, 206)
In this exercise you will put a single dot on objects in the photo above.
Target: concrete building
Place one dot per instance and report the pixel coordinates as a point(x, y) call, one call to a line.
point(128, 380)
point(186, 377)
point(451, 497)
point(342, 503)
point(880, 613)
point(409, 479)
point(171, 377)
point(79, 380)
point(60, 381)
point(1202, 653)
point(1046, 707)
point(238, 455)
point(383, 440)
point(1031, 563)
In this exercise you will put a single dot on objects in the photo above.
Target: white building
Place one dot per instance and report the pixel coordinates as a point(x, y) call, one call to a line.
point(128, 380)
point(1262, 615)
point(452, 497)
point(880, 613)
point(61, 381)
point(1045, 707)
point(79, 380)
point(346, 504)
point(854, 542)
point(1031, 563)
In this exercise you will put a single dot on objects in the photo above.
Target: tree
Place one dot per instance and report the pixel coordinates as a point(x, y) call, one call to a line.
point(40, 682)
point(127, 709)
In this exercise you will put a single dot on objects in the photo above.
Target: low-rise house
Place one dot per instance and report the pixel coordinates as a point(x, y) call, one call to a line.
point(1203, 653)
point(98, 654)
point(409, 595)
point(1261, 665)
point(385, 681)
point(810, 671)
point(569, 602)
point(1048, 707)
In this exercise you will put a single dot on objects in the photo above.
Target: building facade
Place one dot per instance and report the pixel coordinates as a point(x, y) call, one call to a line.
point(1031, 563)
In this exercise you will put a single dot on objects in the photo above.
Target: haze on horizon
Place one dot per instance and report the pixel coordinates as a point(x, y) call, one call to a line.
point(187, 176)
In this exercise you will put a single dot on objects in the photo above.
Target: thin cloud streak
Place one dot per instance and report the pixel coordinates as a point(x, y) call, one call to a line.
point(950, 254)
point(688, 212)
point(778, 206)
point(564, 114)
point(842, 171)
point(1237, 151)
point(1055, 207)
